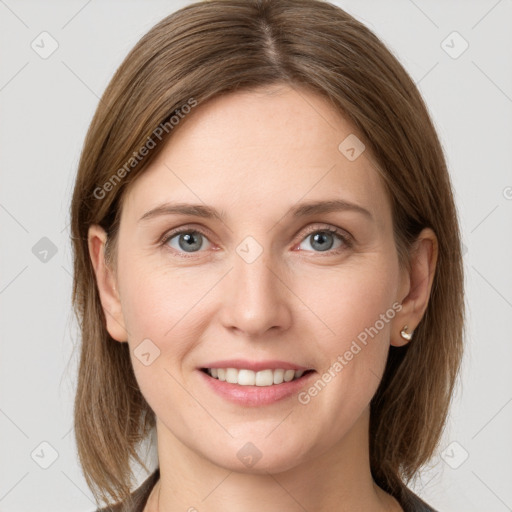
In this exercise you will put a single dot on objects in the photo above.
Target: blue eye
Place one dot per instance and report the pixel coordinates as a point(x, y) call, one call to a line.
point(323, 240)
point(188, 241)
point(191, 240)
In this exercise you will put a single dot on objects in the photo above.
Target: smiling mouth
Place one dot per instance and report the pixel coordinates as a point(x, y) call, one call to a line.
point(263, 378)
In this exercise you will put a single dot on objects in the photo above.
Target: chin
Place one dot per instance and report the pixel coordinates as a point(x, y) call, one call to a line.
point(259, 458)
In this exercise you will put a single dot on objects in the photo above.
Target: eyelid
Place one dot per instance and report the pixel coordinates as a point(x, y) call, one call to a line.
point(344, 235)
point(188, 228)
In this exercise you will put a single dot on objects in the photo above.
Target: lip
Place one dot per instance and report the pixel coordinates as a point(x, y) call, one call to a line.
point(255, 396)
point(255, 366)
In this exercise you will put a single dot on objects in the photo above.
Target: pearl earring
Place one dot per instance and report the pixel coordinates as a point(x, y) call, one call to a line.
point(406, 335)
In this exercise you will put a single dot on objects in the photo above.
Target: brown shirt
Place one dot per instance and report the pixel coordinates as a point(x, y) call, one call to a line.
point(410, 502)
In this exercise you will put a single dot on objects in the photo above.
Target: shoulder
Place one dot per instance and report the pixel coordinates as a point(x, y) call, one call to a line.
point(139, 497)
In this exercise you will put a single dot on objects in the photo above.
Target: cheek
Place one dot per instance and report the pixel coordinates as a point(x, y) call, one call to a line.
point(165, 307)
point(336, 306)
point(355, 309)
point(164, 318)
point(344, 311)
point(331, 308)
point(351, 300)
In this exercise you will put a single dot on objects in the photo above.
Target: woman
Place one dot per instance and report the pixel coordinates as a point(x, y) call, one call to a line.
point(267, 268)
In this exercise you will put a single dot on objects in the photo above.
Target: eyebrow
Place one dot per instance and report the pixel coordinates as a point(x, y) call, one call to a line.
point(208, 212)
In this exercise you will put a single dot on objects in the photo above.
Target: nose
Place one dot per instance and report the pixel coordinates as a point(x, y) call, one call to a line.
point(255, 297)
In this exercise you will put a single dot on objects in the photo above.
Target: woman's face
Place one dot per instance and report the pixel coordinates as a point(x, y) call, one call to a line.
point(265, 279)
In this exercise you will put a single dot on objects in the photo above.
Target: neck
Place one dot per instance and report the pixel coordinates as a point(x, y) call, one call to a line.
point(338, 479)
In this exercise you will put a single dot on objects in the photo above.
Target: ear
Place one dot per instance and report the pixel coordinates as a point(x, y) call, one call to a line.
point(417, 285)
point(106, 281)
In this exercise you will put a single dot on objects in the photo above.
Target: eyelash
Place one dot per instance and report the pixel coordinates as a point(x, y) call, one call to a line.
point(342, 235)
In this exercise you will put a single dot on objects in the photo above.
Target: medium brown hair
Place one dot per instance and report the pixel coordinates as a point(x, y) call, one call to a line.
point(212, 48)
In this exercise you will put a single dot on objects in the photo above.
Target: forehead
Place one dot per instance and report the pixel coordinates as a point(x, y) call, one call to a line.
point(261, 150)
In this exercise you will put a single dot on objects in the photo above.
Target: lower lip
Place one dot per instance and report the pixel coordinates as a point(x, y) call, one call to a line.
point(255, 396)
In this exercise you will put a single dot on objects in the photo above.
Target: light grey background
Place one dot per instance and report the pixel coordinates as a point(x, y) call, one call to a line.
point(46, 106)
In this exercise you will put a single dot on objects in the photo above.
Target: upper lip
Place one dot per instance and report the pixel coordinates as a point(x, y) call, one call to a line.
point(255, 365)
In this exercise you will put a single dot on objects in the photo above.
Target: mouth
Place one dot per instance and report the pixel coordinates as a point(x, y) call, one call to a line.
point(265, 384)
point(263, 378)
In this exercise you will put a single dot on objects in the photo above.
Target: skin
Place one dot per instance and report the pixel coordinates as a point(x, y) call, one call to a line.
point(255, 155)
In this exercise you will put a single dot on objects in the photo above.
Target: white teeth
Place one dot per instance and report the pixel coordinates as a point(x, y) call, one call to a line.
point(288, 375)
point(278, 376)
point(245, 377)
point(231, 375)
